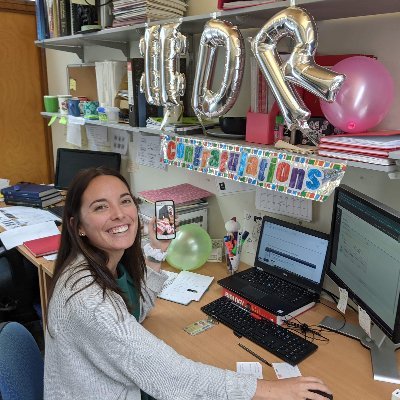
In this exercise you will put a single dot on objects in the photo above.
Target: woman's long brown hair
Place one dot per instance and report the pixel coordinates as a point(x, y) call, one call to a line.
point(71, 244)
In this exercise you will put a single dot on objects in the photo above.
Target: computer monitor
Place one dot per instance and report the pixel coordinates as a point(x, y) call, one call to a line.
point(365, 261)
point(70, 161)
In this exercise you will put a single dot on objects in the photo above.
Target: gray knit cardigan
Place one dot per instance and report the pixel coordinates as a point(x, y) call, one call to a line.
point(97, 350)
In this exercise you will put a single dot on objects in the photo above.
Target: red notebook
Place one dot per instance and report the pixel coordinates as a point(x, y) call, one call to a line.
point(43, 246)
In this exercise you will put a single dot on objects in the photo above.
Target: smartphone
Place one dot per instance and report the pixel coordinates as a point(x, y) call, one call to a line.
point(165, 220)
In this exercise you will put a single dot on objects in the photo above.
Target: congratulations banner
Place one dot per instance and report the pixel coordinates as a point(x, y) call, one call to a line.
point(293, 174)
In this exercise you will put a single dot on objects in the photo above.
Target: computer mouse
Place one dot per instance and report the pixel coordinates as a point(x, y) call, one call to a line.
point(327, 395)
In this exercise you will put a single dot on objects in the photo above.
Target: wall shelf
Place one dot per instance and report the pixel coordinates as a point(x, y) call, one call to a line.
point(382, 168)
point(244, 18)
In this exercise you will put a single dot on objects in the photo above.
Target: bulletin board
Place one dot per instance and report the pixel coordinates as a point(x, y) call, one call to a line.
point(81, 80)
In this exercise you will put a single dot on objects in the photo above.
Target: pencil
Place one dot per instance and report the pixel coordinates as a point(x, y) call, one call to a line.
point(255, 354)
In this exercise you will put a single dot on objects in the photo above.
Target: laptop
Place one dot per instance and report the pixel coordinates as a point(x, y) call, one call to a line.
point(288, 271)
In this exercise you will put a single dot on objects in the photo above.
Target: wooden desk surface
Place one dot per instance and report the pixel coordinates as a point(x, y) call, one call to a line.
point(342, 363)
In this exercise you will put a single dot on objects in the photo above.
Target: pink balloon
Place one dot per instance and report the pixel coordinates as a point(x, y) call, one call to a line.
point(365, 97)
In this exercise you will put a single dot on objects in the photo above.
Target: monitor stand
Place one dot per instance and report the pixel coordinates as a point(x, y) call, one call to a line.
point(384, 363)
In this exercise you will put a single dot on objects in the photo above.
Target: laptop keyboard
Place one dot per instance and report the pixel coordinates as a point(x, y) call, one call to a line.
point(279, 341)
point(269, 284)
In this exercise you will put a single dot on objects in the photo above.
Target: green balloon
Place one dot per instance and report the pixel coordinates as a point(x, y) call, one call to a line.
point(190, 249)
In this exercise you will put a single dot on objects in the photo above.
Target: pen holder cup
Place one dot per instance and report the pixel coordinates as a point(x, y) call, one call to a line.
point(260, 127)
point(232, 263)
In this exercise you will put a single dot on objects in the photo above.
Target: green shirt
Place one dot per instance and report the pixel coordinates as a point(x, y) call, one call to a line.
point(125, 283)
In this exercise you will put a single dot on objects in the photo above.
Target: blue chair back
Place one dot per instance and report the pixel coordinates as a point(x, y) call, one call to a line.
point(21, 364)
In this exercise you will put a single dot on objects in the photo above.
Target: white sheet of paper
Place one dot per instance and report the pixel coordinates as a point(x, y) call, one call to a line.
point(119, 141)
point(250, 368)
point(343, 299)
point(283, 204)
point(74, 135)
point(148, 151)
point(252, 224)
point(14, 217)
point(97, 137)
point(15, 237)
point(364, 320)
point(285, 370)
point(227, 187)
point(50, 257)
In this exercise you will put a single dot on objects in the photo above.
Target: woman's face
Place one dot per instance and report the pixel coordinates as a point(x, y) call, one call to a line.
point(108, 215)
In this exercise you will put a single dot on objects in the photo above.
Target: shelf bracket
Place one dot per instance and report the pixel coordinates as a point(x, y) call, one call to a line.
point(123, 46)
point(78, 50)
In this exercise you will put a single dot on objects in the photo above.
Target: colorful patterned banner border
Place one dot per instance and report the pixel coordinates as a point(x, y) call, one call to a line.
point(294, 174)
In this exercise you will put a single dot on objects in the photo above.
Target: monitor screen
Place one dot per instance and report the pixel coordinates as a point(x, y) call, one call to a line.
point(365, 256)
point(71, 161)
point(294, 252)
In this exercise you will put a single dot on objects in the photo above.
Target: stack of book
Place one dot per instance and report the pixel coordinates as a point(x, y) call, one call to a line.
point(232, 4)
point(368, 147)
point(129, 12)
point(31, 195)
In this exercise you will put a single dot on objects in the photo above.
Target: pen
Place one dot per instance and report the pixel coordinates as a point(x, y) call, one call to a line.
point(255, 354)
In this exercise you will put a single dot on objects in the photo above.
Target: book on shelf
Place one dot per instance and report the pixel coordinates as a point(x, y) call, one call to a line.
point(42, 25)
point(232, 4)
point(380, 139)
point(43, 246)
point(30, 190)
point(357, 157)
point(64, 10)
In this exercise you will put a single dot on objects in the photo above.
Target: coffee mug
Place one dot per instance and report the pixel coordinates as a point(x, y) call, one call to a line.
point(73, 107)
point(50, 104)
point(90, 110)
point(63, 103)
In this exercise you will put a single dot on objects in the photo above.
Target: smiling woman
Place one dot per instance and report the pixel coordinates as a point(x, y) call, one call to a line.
point(102, 289)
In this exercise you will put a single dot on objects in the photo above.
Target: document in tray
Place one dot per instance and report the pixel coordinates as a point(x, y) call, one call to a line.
point(185, 287)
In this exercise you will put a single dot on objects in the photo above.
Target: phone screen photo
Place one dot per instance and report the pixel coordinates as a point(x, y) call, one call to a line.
point(165, 219)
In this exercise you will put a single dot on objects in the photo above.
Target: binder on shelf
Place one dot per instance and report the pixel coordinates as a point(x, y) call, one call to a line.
point(43, 246)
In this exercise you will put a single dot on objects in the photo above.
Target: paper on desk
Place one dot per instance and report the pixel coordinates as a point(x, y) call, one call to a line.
point(285, 370)
point(250, 368)
point(15, 237)
point(187, 286)
point(14, 217)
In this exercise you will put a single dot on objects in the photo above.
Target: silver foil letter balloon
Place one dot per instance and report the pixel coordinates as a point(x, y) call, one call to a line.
point(300, 68)
point(161, 81)
point(216, 34)
point(150, 81)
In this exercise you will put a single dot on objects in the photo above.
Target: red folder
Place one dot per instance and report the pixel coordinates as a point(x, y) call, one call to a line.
point(43, 246)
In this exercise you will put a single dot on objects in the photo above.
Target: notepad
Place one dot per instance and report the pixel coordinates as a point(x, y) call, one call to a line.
point(185, 286)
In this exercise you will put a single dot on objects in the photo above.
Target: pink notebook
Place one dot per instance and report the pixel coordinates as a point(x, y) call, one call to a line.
point(180, 194)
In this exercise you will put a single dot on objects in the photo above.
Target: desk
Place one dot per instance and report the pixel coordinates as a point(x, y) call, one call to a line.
point(342, 363)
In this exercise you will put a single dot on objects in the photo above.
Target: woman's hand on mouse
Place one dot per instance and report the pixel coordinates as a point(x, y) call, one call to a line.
point(290, 389)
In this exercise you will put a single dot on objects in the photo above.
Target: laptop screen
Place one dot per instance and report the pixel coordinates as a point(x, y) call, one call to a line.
point(292, 252)
point(70, 161)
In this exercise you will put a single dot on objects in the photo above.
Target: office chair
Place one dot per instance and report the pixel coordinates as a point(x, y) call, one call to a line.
point(21, 364)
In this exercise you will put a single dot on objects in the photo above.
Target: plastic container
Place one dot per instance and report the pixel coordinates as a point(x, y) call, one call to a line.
point(112, 114)
point(101, 111)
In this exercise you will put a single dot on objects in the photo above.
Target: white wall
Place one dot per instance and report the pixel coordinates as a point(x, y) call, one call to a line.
point(378, 35)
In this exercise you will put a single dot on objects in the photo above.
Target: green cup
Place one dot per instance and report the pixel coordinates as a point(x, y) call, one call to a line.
point(51, 104)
